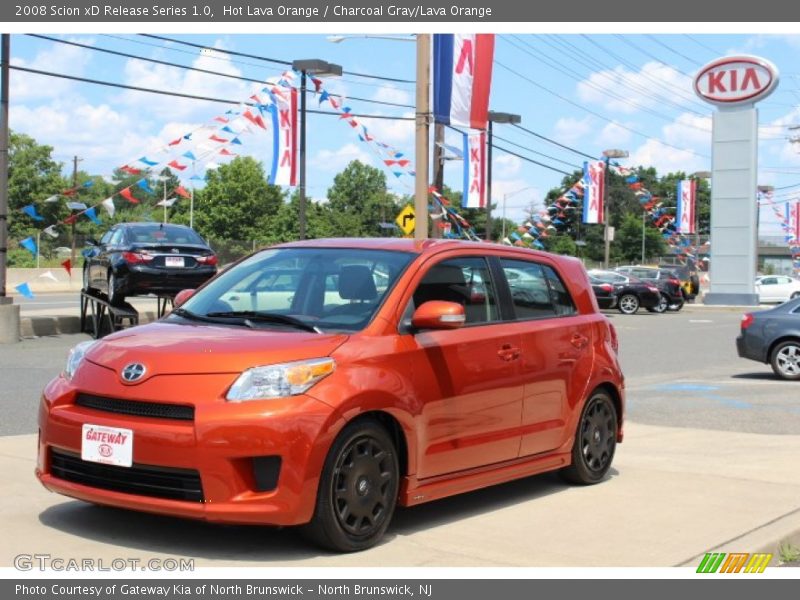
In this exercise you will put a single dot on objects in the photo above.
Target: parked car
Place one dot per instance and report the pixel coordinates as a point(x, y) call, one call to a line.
point(604, 293)
point(773, 336)
point(328, 410)
point(665, 280)
point(777, 288)
point(688, 275)
point(631, 293)
point(134, 259)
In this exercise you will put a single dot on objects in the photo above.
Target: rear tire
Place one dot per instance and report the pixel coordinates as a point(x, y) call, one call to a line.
point(595, 441)
point(662, 305)
point(115, 298)
point(86, 284)
point(795, 295)
point(785, 360)
point(358, 489)
point(677, 306)
point(628, 304)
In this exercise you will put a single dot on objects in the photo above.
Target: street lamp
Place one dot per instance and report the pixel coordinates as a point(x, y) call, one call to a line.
point(506, 197)
point(317, 68)
point(494, 117)
point(608, 154)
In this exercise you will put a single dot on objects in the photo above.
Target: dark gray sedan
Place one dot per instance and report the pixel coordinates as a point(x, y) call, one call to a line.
point(773, 336)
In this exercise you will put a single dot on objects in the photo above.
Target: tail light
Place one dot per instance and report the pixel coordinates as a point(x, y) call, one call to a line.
point(747, 320)
point(613, 335)
point(652, 288)
point(136, 258)
point(209, 259)
point(674, 281)
point(607, 287)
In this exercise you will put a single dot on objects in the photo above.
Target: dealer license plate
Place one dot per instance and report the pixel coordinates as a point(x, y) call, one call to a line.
point(174, 261)
point(107, 445)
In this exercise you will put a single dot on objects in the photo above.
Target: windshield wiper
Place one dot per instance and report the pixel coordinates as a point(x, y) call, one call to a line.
point(187, 314)
point(251, 315)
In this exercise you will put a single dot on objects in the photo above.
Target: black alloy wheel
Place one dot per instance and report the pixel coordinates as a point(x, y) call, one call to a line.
point(595, 441)
point(661, 307)
point(114, 297)
point(358, 489)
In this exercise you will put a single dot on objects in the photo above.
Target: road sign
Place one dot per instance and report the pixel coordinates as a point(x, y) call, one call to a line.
point(405, 220)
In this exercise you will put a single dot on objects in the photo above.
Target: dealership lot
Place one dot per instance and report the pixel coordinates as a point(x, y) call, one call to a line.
point(709, 462)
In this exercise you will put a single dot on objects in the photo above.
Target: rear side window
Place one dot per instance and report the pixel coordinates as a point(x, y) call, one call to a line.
point(530, 292)
point(562, 301)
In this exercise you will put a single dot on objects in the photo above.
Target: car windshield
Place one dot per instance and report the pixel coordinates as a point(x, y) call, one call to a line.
point(324, 289)
point(163, 234)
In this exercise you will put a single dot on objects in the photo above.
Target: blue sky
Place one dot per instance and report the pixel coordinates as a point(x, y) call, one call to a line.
point(604, 91)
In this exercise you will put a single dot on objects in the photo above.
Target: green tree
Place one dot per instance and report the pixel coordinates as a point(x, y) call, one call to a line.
point(359, 201)
point(237, 203)
point(627, 243)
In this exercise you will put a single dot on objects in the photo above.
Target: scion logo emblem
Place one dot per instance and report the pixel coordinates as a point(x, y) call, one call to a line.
point(133, 372)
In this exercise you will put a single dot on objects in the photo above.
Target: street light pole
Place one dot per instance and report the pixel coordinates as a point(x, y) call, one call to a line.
point(422, 136)
point(506, 197)
point(318, 68)
point(608, 155)
point(494, 117)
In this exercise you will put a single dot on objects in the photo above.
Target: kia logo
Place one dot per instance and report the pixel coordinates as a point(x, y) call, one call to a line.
point(133, 372)
point(736, 80)
point(105, 450)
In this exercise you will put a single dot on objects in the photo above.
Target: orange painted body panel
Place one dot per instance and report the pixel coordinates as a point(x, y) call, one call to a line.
point(476, 406)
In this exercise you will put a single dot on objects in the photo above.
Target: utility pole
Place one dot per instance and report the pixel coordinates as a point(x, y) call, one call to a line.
point(422, 138)
point(73, 225)
point(9, 312)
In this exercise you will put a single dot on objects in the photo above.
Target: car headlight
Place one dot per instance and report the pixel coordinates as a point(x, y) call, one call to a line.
point(280, 380)
point(75, 357)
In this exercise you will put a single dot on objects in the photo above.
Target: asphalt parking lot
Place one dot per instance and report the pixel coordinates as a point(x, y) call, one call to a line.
point(710, 462)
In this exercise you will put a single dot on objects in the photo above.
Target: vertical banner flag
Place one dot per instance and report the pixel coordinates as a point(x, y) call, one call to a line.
point(684, 216)
point(594, 180)
point(284, 146)
point(474, 170)
point(796, 229)
point(462, 78)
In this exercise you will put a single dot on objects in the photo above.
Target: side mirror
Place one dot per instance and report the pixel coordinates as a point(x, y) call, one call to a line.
point(182, 297)
point(438, 314)
point(92, 242)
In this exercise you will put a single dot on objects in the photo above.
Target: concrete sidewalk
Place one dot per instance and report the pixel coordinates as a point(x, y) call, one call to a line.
point(674, 494)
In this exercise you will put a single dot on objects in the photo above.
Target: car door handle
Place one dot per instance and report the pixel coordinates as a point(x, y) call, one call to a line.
point(508, 352)
point(578, 340)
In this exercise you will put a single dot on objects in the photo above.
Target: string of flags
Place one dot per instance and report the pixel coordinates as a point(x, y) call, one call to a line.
point(789, 221)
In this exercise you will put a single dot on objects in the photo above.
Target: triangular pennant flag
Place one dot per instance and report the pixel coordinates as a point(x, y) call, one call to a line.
point(108, 204)
point(151, 163)
point(221, 119)
point(216, 138)
point(226, 152)
point(67, 264)
point(317, 84)
point(145, 185)
point(176, 165)
point(30, 210)
point(190, 155)
point(236, 141)
point(88, 184)
point(49, 275)
point(24, 290)
point(92, 214)
point(324, 96)
point(128, 195)
point(76, 206)
point(175, 142)
point(166, 203)
point(181, 191)
point(130, 170)
point(53, 198)
point(29, 244)
point(51, 231)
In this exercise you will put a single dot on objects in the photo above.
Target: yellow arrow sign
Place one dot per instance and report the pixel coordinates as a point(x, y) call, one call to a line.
point(405, 220)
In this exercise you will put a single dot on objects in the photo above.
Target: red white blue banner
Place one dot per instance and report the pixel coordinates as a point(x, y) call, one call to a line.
point(594, 183)
point(796, 222)
point(685, 212)
point(284, 147)
point(462, 78)
point(474, 171)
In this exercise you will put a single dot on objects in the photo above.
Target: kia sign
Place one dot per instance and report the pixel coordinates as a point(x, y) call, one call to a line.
point(736, 80)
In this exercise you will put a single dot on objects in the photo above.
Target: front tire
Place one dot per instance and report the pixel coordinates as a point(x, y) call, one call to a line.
point(115, 298)
point(595, 441)
point(357, 491)
point(87, 286)
point(785, 360)
point(628, 304)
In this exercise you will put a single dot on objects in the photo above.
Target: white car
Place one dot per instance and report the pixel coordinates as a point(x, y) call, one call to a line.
point(777, 288)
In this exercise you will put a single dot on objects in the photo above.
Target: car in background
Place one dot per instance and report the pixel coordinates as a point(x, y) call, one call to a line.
point(604, 293)
point(665, 280)
point(632, 294)
point(773, 336)
point(135, 259)
point(688, 276)
point(353, 377)
point(777, 288)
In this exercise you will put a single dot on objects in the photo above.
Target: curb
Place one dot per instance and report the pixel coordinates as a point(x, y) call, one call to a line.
point(30, 327)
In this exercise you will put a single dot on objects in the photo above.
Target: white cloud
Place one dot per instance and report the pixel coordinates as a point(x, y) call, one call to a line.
point(333, 161)
point(390, 93)
point(569, 130)
point(57, 58)
point(613, 135)
point(505, 165)
point(666, 159)
point(517, 194)
point(626, 91)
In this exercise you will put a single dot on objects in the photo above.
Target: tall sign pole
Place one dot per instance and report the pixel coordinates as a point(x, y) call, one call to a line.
point(734, 84)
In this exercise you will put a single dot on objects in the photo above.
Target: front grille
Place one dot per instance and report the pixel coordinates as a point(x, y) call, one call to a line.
point(142, 480)
point(156, 410)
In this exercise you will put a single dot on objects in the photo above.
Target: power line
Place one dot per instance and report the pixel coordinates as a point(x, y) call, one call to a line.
point(189, 96)
point(502, 139)
point(671, 49)
point(701, 44)
point(196, 69)
point(547, 139)
point(595, 113)
point(267, 59)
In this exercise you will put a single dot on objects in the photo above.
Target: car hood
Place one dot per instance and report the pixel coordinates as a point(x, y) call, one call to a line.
point(173, 348)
